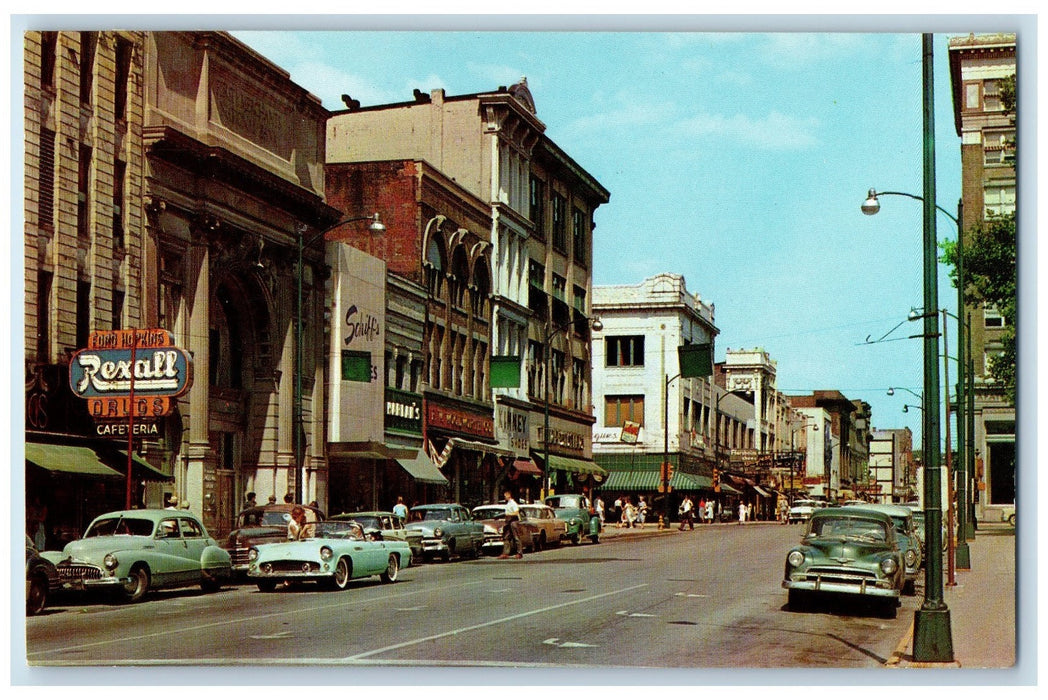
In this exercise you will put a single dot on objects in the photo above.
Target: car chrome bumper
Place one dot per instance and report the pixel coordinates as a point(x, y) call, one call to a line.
point(862, 588)
point(429, 546)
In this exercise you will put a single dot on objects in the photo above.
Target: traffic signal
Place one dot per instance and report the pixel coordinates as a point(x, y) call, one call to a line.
point(716, 479)
point(666, 472)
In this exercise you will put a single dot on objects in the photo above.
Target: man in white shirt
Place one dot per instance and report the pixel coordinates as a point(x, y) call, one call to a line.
point(510, 534)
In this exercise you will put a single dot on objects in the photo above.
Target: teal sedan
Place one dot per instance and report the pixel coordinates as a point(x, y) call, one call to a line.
point(331, 554)
point(132, 552)
point(577, 511)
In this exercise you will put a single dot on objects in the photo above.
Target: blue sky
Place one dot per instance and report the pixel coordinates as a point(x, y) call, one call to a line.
point(739, 160)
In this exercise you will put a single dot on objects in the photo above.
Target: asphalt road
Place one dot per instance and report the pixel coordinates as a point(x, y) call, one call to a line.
point(709, 598)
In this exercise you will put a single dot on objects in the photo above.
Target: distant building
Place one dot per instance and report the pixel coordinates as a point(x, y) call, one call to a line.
point(891, 466)
point(978, 66)
point(843, 443)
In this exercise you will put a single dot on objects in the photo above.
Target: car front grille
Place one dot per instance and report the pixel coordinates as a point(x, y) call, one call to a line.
point(290, 566)
point(239, 557)
point(833, 574)
point(79, 572)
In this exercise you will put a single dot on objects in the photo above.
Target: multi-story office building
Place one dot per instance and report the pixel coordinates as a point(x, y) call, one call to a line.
point(979, 64)
point(840, 457)
point(169, 177)
point(891, 466)
point(496, 222)
point(646, 412)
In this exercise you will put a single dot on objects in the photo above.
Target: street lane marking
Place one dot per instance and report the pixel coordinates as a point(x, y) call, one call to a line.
point(555, 641)
point(223, 623)
point(498, 621)
point(693, 595)
point(278, 635)
point(627, 613)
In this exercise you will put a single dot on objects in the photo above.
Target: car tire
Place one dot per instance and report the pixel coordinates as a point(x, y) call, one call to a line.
point(266, 585)
point(209, 583)
point(136, 589)
point(392, 570)
point(796, 601)
point(451, 550)
point(540, 543)
point(890, 609)
point(574, 538)
point(340, 579)
point(1011, 519)
point(36, 594)
point(594, 539)
point(909, 588)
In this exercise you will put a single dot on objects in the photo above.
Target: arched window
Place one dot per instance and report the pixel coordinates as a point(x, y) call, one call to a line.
point(481, 288)
point(459, 275)
point(434, 267)
point(225, 355)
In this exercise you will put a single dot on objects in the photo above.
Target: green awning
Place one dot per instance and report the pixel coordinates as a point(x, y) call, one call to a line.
point(68, 459)
point(575, 466)
point(369, 449)
point(649, 480)
point(144, 470)
point(421, 468)
point(725, 488)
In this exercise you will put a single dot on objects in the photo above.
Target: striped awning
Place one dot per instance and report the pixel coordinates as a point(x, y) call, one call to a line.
point(575, 466)
point(526, 466)
point(649, 480)
point(422, 469)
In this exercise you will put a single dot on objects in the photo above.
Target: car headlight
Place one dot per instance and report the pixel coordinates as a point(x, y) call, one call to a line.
point(889, 566)
point(326, 553)
point(110, 561)
point(795, 558)
point(910, 557)
point(252, 554)
point(437, 532)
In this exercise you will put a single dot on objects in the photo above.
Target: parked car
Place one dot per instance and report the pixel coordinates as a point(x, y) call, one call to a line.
point(447, 530)
point(260, 524)
point(551, 529)
point(918, 526)
point(493, 517)
point(333, 554)
point(1008, 515)
point(135, 551)
point(906, 534)
point(848, 551)
point(802, 510)
point(579, 515)
point(41, 579)
point(388, 525)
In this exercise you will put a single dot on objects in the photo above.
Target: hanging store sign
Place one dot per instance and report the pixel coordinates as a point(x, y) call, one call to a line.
point(403, 411)
point(164, 371)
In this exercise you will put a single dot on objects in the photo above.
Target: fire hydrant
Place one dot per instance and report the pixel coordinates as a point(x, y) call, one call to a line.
point(662, 523)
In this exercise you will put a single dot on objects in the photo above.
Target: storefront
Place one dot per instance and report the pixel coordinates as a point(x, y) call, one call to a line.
point(460, 436)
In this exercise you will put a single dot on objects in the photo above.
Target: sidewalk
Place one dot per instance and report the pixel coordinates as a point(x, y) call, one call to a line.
point(982, 606)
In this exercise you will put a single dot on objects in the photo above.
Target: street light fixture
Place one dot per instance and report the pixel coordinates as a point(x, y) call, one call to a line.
point(595, 325)
point(376, 226)
point(932, 638)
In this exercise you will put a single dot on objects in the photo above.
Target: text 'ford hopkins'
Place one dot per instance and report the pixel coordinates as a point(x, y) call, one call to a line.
point(157, 372)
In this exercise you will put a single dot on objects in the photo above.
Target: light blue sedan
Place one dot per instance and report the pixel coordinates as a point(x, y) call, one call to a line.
point(331, 553)
point(134, 551)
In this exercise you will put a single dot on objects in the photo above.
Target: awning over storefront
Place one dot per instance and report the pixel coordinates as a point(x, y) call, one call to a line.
point(526, 466)
point(370, 449)
point(761, 491)
point(68, 459)
point(459, 443)
point(143, 469)
point(575, 466)
point(421, 468)
point(725, 488)
point(649, 480)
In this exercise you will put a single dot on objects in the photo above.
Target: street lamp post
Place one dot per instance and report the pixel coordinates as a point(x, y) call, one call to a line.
point(300, 461)
point(932, 638)
point(550, 334)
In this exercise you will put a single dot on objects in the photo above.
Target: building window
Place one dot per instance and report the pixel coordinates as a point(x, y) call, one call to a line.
point(119, 170)
point(578, 385)
point(971, 97)
point(560, 223)
point(992, 317)
point(87, 64)
point(561, 310)
point(622, 408)
point(83, 313)
point(47, 180)
point(556, 376)
point(43, 315)
point(83, 192)
point(434, 269)
point(537, 204)
point(169, 292)
point(123, 73)
point(537, 300)
point(578, 236)
point(118, 309)
point(535, 367)
point(48, 55)
point(624, 351)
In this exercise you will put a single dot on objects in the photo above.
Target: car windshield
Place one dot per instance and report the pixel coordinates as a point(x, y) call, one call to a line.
point(434, 514)
point(489, 513)
point(804, 504)
point(368, 521)
point(849, 528)
point(533, 512)
point(339, 530)
point(564, 502)
point(120, 526)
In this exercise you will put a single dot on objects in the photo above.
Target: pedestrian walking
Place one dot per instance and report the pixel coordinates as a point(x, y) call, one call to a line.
point(642, 510)
point(687, 513)
point(510, 530)
point(249, 500)
point(400, 510)
point(598, 504)
point(742, 512)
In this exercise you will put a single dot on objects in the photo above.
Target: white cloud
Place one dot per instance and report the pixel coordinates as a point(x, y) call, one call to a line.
point(330, 83)
point(494, 75)
point(798, 51)
point(776, 131)
point(629, 114)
